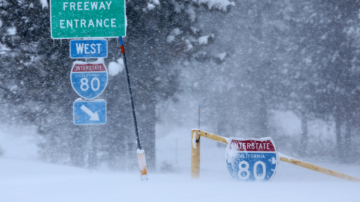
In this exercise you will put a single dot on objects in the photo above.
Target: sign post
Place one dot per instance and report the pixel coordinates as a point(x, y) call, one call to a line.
point(69, 19)
point(251, 159)
point(89, 80)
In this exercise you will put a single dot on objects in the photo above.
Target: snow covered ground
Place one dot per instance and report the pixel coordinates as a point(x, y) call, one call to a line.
point(18, 142)
point(27, 180)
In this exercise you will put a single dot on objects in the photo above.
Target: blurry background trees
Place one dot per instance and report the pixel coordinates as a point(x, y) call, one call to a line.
point(35, 77)
point(242, 63)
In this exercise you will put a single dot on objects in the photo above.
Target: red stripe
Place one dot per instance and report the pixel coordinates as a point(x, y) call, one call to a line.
point(89, 68)
point(252, 145)
point(122, 49)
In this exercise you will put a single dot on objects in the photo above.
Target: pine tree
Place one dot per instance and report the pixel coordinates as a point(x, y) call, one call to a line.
point(159, 34)
point(324, 80)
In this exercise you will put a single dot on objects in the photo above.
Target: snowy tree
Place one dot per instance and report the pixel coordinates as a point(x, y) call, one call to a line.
point(242, 91)
point(160, 33)
point(324, 58)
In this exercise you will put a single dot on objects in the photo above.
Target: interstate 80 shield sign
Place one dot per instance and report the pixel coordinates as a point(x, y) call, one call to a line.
point(88, 79)
point(251, 159)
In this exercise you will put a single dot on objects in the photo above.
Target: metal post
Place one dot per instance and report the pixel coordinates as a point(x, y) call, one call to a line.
point(195, 153)
point(90, 157)
point(199, 118)
point(93, 161)
point(140, 151)
point(195, 149)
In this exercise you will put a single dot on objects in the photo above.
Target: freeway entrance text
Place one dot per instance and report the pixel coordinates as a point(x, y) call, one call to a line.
point(80, 19)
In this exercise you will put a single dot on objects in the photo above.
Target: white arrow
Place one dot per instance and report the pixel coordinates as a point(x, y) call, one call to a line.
point(93, 116)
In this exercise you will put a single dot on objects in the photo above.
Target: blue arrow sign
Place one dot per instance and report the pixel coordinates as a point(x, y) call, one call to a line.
point(89, 112)
point(88, 48)
point(88, 80)
point(251, 159)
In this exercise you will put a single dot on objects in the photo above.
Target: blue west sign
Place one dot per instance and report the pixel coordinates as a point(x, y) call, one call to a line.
point(88, 48)
point(251, 159)
point(89, 112)
point(88, 80)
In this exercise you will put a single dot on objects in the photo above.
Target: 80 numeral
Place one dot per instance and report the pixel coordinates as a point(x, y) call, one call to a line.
point(246, 171)
point(85, 86)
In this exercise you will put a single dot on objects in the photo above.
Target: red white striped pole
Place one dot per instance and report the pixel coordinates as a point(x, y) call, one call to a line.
point(140, 152)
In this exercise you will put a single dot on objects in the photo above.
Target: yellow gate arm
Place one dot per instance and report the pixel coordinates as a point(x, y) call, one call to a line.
point(317, 168)
point(195, 157)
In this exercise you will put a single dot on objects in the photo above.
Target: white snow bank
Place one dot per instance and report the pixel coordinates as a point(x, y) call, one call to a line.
point(30, 181)
point(19, 142)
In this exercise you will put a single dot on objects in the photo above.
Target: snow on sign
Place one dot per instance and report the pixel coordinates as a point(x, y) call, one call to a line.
point(79, 19)
point(88, 48)
point(251, 159)
point(89, 112)
point(88, 80)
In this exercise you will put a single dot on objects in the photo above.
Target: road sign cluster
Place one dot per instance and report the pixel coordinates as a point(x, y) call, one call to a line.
point(89, 80)
point(86, 19)
point(251, 159)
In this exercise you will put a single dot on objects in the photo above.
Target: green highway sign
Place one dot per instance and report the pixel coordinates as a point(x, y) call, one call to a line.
point(81, 19)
